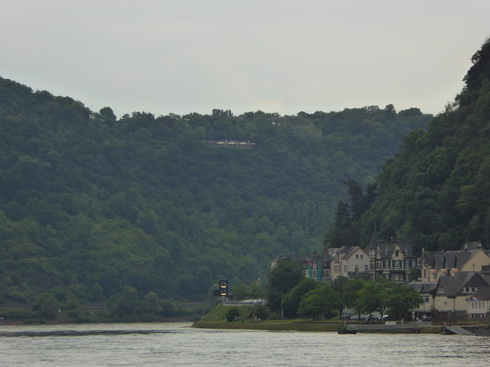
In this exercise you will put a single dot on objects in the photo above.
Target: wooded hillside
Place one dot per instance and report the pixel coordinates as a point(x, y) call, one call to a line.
point(90, 202)
point(436, 192)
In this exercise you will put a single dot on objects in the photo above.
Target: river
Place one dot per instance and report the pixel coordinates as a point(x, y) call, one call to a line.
point(178, 344)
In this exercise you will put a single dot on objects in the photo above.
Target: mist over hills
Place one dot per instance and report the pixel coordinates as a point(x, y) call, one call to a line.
point(90, 202)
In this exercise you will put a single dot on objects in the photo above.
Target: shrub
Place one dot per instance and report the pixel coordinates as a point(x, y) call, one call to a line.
point(231, 314)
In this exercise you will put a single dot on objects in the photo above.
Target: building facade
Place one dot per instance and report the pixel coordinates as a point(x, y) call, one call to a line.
point(394, 261)
point(435, 264)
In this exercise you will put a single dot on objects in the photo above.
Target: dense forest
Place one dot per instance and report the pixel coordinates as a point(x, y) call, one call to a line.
point(436, 191)
point(90, 203)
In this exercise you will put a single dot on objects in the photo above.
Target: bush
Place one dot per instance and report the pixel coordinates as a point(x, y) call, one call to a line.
point(231, 314)
point(47, 305)
point(16, 314)
point(261, 312)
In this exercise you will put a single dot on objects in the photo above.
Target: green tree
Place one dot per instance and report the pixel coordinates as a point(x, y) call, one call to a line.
point(319, 303)
point(231, 314)
point(126, 304)
point(348, 290)
point(47, 305)
point(291, 301)
point(261, 312)
point(401, 298)
point(373, 296)
point(284, 277)
point(152, 303)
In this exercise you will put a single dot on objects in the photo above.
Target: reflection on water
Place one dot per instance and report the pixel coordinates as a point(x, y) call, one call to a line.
point(180, 345)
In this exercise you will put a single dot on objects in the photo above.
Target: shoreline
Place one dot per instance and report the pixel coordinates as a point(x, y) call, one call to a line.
point(479, 330)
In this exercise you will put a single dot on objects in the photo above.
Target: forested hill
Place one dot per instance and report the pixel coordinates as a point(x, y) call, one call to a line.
point(90, 202)
point(436, 192)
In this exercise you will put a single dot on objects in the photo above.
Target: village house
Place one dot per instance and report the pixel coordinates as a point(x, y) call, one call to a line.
point(393, 261)
point(453, 292)
point(435, 264)
point(478, 305)
point(456, 292)
point(350, 262)
point(426, 290)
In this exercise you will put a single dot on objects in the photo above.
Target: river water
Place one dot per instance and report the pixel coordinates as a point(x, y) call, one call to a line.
point(178, 344)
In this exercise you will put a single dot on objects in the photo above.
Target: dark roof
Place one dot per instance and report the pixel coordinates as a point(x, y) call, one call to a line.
point(295, 258)
point(387, 249)
point(486, 278)
point(449, 259)
point(473, 245)
point(482, 293)
point(302, 258)
point(425, 287)
point(343, 252)
point(454, 284)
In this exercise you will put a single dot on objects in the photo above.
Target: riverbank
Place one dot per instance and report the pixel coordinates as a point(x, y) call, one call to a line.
point(326, 326)
point(216, 319)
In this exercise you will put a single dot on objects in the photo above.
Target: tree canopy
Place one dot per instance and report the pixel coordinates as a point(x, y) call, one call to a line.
point(91, 203)
point(282, 279)
point(435, 192)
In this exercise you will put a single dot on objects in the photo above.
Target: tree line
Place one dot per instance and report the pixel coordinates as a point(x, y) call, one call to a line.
point(289, 294)
point(434, 192)
point(91, 202)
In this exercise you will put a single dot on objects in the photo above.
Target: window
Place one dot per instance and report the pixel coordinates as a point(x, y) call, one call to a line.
point(357, 269)
point(362, 256)
point(397, 253)
point(469, 290)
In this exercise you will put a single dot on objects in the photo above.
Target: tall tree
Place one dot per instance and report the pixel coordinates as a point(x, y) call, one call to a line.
point(320, 303)
point(291, 301)
point(282, 279)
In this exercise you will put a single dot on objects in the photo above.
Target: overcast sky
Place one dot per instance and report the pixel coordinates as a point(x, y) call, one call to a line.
point(283, 56)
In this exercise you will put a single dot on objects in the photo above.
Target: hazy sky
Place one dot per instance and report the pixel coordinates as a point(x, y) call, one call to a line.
point(284, 56)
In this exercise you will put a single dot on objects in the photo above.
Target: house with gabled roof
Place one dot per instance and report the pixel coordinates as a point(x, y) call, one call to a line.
point(314, 266)
point(351, 262)
point(435, 264)
point(478, 304)
point(427, 291)
point(453, 292)
point(393, 261)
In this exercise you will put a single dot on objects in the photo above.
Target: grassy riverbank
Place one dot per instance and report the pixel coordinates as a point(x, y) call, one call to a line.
point(216, 319)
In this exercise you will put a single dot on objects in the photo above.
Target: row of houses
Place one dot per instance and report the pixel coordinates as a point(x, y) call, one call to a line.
point(452, 283)
point(465, 294)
